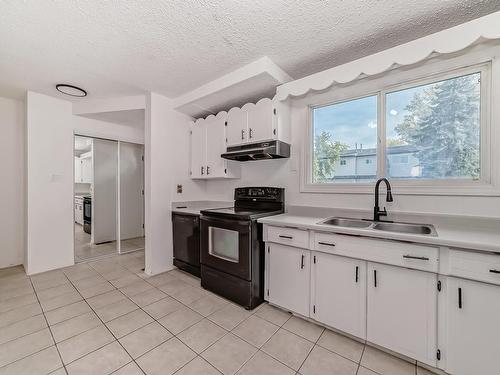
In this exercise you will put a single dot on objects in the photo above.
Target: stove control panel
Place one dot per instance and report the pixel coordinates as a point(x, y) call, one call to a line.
point(273, 194)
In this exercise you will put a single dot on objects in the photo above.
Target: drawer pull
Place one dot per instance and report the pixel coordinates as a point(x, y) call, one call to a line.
point(495, 271)
point(415, 257)
point(302, 262)
point(357, 273)
point(287, 237)
point(327, 244)
point(375, 278)
point(459, 298)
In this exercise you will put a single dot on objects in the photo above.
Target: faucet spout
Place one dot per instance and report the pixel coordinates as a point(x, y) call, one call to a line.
point(377, 212)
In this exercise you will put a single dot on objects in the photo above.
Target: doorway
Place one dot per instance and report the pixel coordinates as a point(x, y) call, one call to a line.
point(108, 197)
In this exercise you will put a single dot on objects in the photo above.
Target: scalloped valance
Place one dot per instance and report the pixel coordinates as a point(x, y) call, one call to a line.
point(444, 42)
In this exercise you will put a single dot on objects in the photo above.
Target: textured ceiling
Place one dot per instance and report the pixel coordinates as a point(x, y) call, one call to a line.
point(115, 48)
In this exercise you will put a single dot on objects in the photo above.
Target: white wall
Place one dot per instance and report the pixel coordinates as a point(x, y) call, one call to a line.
point(11, 188)
point(50, 129)
point(166, 165)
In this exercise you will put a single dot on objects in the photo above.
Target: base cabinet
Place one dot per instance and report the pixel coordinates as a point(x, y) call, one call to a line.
point(402, 311)
point(338, 288)
point(289, 272)
point(472, 327)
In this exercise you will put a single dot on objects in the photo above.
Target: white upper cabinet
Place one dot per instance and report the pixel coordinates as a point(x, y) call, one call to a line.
point(237, 126)
point(339, 282)
point(208, 142)
point(198, 149)
point(84, 169)
point(87, 170)
point(78, 170)
point(216, 144)
point(401, 311)
point(264, 121)
point(261, 120)
point(472, 327)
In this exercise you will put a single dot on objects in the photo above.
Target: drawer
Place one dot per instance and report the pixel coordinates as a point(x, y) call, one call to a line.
point(288, 236)
point(398, 253)
point(475, 266)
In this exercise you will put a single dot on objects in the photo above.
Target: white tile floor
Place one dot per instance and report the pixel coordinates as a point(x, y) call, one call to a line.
point(107, 316)
point(85, 251)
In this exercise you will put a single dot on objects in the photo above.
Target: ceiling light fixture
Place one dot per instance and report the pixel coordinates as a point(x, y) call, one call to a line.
point(71, 90)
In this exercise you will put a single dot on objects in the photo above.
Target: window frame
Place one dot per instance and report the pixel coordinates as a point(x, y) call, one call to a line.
point(484, 185)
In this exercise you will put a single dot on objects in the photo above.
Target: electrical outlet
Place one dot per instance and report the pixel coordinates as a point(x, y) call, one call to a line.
point(179, 189)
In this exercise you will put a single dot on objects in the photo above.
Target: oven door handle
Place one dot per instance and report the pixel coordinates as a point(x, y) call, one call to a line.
point(213, 221)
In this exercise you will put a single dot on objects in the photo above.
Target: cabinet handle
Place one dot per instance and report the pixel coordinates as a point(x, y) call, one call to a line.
point(250, 133)
point(494, 271)
point(242, 134)
point(302, 262)
point(459, 298)
point(327, 244)
point(375, 278)
point(415, 257)
point(208, 170)
point(202, 171)
point(357, 273)
point(287, 237)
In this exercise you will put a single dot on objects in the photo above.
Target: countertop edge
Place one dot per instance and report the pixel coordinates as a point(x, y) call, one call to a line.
point(310, 223)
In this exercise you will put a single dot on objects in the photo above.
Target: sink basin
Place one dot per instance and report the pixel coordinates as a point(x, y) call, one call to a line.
point(346, 222)
point(422, 229)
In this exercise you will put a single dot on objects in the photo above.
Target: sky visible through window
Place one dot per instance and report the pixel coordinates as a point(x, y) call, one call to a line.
point(351, 122)
point(355, 122)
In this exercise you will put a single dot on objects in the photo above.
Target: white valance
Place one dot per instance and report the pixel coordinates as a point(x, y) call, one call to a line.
point(447, 41)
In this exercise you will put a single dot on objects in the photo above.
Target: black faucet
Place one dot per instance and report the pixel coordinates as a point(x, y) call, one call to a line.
point(377, 212)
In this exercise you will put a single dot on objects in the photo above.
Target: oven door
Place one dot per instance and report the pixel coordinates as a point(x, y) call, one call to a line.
point(226, 245)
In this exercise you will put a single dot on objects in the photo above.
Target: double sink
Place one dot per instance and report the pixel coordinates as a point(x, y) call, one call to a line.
point(406, 228)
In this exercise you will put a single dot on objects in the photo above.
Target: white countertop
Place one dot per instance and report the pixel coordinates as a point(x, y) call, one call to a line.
point(452, 231)
point(194, 207)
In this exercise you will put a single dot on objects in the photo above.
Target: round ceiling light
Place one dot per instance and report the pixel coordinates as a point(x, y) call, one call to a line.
point(71, 90)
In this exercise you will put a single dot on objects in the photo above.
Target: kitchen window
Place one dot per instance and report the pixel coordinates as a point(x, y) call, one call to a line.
point(427, 135)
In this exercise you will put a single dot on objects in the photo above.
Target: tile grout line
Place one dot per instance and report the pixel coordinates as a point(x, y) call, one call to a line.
point(104, 324)
point(48, 326)
point(361, 358)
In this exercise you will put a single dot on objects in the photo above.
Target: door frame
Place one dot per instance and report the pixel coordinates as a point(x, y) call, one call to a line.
point(86, 134)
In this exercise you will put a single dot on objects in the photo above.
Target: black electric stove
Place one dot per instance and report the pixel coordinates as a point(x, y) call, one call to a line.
point(232, 249)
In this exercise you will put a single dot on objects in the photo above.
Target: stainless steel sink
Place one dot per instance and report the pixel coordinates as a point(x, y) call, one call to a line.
point(407, 228)
point(422, 229)
point(346, 222)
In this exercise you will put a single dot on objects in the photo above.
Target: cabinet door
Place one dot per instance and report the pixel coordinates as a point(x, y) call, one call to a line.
point(289, 278)
point(80, 214)
point(87, 175)
point(78, 170)
point(402, 311)
point(339, 293)
point(261, 121)
point(216, 145)
point(237, 126)
point(76, 213)
point(198, 149)
point(472, 327)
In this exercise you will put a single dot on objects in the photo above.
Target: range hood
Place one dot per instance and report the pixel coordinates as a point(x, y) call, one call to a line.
point(258, 151)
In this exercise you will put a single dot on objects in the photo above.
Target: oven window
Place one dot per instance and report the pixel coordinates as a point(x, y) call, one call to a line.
point(223, 243)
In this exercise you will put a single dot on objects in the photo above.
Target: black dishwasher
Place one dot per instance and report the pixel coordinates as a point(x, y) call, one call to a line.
point(186, 238)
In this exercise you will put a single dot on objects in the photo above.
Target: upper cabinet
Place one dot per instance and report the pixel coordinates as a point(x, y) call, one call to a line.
point(84, 168)
point(208, 142)
point(264, 121)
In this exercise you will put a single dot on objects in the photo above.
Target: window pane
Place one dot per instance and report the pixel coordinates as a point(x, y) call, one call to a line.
point(345, 141)
point(433, 131)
